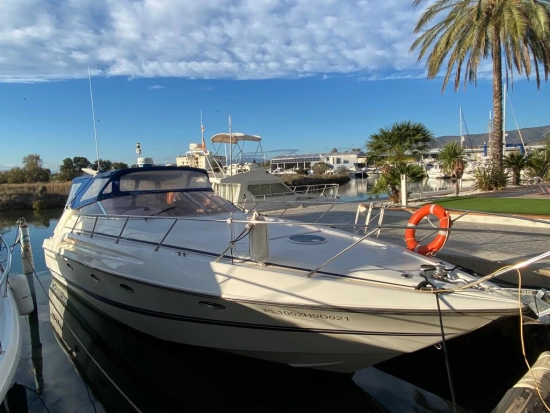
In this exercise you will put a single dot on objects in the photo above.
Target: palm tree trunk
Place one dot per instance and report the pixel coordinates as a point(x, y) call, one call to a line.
point(394, 194)
point(516, 175)
point(496, 138)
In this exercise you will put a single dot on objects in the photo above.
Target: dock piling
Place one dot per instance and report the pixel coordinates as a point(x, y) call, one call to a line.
point(532, 392)
point(27, 262)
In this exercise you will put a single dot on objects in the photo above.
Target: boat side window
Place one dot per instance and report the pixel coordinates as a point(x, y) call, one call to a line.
point(135, 204)
point(74, 189)
point(198, 181)
point(268, 189)
point(210, 203)
point(93, 190)
point(163, 180)
point(108, 189)
point(92, 209)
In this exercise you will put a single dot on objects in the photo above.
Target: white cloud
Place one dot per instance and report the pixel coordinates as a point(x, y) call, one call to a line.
point(156, 87)
point(233, 39)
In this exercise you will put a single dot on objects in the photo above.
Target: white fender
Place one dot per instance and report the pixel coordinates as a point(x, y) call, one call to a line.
point(258, 239)
point(21, 293)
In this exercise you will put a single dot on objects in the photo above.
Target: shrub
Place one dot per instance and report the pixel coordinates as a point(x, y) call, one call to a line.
point(490, 178)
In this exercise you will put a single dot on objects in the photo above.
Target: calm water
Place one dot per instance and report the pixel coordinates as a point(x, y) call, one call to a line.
point(41, 225)
point(356, 189)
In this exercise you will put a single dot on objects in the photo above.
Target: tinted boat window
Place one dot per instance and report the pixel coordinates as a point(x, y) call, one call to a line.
point(163, 180)
point(211, 204)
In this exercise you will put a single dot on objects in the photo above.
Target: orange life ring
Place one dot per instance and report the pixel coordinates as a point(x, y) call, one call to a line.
point(441, 237)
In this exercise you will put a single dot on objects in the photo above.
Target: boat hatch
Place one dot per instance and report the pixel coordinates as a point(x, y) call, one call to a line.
point(307, 239)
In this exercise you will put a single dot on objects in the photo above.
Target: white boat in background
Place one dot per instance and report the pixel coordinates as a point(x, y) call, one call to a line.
point(436, 171)
point(244, 182)
point(157, 250)
point(358, 170)
point(10, 326)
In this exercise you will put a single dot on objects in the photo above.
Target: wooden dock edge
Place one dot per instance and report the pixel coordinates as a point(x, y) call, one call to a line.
point(524, 396)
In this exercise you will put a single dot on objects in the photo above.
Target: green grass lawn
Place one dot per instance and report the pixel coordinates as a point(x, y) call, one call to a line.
point(497, 205)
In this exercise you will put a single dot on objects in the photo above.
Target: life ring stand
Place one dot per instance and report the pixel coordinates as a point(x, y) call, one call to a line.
point(439, 241)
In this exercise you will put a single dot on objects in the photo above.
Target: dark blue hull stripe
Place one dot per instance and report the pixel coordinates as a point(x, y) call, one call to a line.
point(233, 324)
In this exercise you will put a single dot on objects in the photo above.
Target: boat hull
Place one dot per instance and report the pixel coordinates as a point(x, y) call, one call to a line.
point(10, 341)
point(315, 336)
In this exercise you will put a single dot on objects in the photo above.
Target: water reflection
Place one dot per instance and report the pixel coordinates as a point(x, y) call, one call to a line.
point(41, 226)
point(356, 189)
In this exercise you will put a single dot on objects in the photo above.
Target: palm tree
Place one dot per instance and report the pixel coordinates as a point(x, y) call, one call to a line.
point(515, 34)
point(451, 159)
point(393, 147)
point(390, 180)
point(539, 164)
point(516, 161)
point(400, 141)
point(539, 161)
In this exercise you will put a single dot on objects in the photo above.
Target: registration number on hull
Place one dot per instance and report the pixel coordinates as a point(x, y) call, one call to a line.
point(306, 315)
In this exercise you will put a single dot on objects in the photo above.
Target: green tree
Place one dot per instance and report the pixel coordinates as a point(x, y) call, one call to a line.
point(392, 148)
point(80, 162)
point(399, 142)
point(539, 164)
point(33, 170)
point(451, 157)
point(67, 170)
point(16, 175)
point(119, 165)
point(320, 168)
point(71, 168)
point(517, 162)
point(105, 165)
point(515, 34)
point(390, 180)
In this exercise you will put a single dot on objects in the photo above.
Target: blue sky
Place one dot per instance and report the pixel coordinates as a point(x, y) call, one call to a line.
point(309, 75)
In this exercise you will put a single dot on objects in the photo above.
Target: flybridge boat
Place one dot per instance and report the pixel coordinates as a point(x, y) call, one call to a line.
point(156, 249)
point(244, 182)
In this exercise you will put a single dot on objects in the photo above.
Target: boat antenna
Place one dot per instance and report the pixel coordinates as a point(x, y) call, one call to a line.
point(93, 118)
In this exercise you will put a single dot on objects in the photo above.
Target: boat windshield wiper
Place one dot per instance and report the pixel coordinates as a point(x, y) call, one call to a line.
point(164, 210)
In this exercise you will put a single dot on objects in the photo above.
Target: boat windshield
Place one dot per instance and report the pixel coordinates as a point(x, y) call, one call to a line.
point(173, 191)
point(173, 203)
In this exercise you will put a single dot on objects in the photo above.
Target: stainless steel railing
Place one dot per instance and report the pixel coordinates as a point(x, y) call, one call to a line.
point(5, 265)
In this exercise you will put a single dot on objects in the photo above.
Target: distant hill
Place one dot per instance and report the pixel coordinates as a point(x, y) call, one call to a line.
point(531, 136)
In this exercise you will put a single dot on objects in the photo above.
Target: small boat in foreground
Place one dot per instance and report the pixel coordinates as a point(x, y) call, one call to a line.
point(10, 326)
point(157, 250)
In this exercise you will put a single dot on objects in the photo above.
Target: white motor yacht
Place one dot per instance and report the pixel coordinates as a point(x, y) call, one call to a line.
point(157, 250)
point(243, 181)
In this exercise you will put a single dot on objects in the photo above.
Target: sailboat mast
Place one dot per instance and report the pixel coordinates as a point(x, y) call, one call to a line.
point(461, 137)
point(504, 119)
point(202, 135)
point(230, 148)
